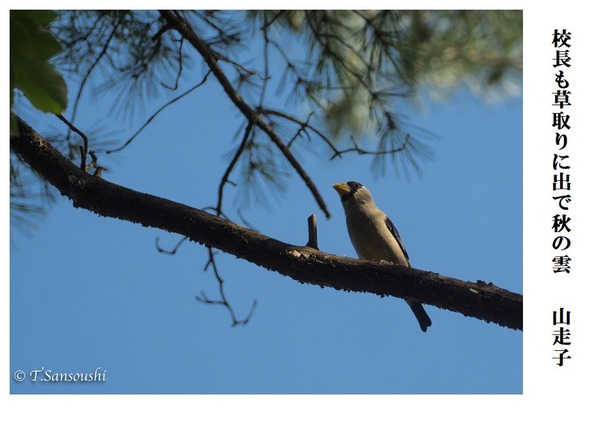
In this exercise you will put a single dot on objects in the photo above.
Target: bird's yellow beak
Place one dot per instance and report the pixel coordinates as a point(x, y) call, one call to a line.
point(341, 188)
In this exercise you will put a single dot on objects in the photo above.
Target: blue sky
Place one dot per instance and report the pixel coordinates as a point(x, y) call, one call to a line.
point(103, 297)
point(89, 292)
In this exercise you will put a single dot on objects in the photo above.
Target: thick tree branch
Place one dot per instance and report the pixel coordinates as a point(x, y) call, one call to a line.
point(211, 59)
point(306, 265)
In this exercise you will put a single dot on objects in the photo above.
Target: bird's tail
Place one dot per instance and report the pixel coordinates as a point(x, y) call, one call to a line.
point(421, 314)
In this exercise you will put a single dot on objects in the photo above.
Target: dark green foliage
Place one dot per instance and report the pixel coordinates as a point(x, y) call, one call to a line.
point(31, 47)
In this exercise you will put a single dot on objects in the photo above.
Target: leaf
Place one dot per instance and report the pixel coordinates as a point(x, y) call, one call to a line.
point(28, 35)
point(42, 18)
point(41, 83)
point(31, 47)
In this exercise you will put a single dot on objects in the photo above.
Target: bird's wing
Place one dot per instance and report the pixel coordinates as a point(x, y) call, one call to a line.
point(394, 231)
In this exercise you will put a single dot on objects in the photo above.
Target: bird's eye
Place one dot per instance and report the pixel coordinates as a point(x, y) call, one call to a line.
point(354, 185)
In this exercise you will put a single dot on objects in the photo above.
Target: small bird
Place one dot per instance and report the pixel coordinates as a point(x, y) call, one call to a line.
point(373, 235)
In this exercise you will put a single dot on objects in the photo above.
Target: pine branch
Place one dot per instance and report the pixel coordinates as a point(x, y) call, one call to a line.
point(211, 59)
point(481, 300)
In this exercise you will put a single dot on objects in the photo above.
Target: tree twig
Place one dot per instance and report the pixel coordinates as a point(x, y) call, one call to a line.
point(225, 179)
point(103, 51)
point(303, 124)
point(173, 250)
point(184, 28)
point(83, 150)
point(180, 67)
point(359, 150)
point(272, 20)
point(157, 112)
point(211, 263)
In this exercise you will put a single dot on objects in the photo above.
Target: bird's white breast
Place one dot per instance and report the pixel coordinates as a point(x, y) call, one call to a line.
point(370, 236)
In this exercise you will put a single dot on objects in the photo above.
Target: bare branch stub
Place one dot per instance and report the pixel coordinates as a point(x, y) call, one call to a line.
point(313, 241)
point(94, 164)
